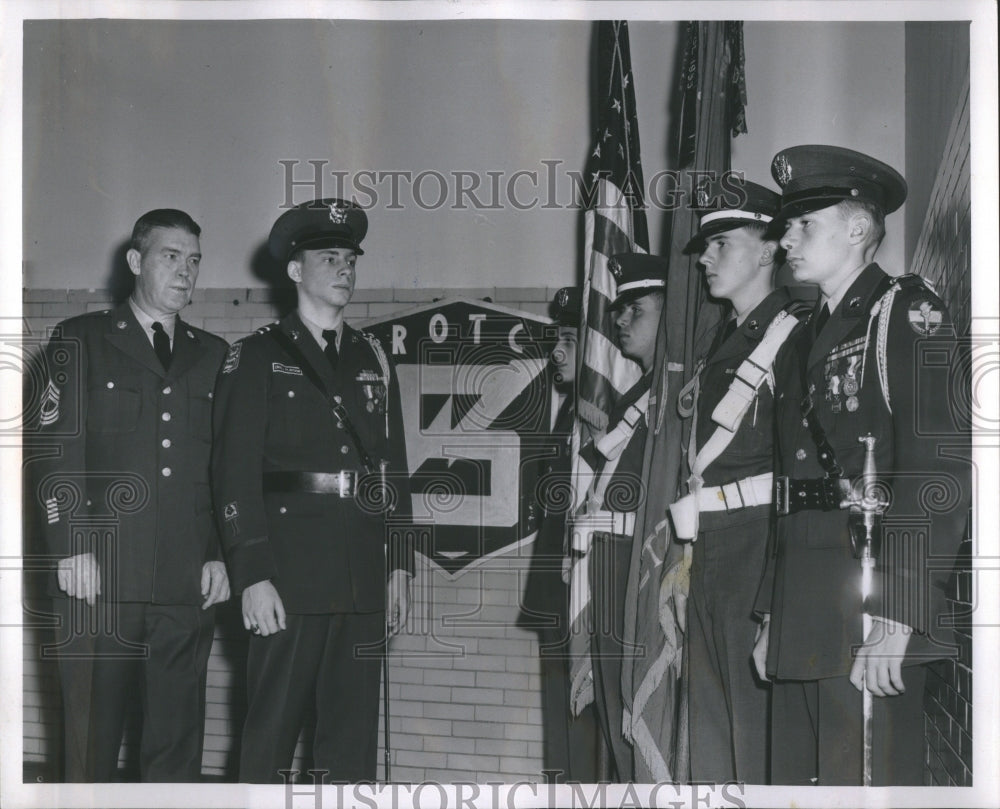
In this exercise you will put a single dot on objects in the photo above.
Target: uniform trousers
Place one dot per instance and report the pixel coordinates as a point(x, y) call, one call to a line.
point(728, 705)
point(610, 557)
point(817, 732)
point(114, 653)
point(570, 752)
point(332, 662)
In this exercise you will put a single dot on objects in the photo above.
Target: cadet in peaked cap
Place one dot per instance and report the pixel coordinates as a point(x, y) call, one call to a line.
point(637, 274)
point(814, 177)
point(305, 411)
point(316, 224)
point(732, 203)
point(566, 305)
point(852, 375)
point(570, 742)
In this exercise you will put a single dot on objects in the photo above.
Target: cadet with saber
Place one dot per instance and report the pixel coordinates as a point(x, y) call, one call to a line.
point(302, 409)
point(859, 368)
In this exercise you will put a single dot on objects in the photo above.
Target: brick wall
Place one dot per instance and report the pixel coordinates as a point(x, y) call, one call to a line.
point(464, 679)
point(942, 257)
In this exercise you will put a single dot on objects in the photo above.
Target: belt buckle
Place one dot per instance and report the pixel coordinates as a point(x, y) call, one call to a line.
point(781, 495)
point(347, 483)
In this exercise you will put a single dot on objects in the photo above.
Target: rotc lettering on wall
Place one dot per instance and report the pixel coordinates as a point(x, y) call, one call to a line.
point(475, 404)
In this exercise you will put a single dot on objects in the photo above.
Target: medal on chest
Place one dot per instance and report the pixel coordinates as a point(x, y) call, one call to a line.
point(374, 390)
point(842, 376)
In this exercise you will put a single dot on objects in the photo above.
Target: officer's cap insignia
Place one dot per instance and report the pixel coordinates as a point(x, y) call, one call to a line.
point(338, 215)
point(925, 316)
point(615, 268)
point(782, 169)
point(232, 358)
point(562, 297)
point(49, 405)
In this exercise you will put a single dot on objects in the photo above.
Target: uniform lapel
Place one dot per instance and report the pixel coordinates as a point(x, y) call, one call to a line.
point(752, 329)
point(127, 336)
point(854, 306)
point(187, 350)
point(293, 326)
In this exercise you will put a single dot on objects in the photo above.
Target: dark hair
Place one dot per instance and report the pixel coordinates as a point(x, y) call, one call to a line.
point(161, 218)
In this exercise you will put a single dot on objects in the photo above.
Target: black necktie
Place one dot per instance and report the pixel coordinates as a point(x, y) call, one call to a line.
point(161, 345)
point(330, 335)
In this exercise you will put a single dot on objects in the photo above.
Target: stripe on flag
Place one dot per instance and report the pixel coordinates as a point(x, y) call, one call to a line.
point(614, 222)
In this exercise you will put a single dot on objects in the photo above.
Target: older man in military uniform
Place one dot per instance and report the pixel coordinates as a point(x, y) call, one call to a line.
point(618, 491)
point(868, 367)
point(307, 415)
point(727, 511)
point(128, 512)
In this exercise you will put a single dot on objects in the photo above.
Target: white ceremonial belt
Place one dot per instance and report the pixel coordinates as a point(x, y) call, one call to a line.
point(745, 493)
point(608, 522)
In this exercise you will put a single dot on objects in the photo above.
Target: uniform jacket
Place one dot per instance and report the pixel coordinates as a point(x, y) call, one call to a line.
point(134, 447)
point(921, 456)
point(545, 594)
point(750, 452)
point(323, 553)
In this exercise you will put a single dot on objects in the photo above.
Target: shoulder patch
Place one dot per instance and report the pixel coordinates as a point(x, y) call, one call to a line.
point(925, 315)
point(232, 361)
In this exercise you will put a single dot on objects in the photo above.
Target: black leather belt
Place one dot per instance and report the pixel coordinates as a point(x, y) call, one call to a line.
point(814, 494)
point(343, 483)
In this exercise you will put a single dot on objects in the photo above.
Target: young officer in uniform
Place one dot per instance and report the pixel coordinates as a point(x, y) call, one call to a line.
point(570, 742)
point(618, 491)
point(874, 362)
point(306, 410)
point(727, 512)
point(129, 515)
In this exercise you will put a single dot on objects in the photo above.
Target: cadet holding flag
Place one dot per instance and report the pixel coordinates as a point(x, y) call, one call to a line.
point(604, 530)
point(727, 512)
point(307, 410)
point(860, 374)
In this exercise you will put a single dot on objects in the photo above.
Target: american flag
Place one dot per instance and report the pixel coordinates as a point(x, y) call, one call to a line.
point(614, 222)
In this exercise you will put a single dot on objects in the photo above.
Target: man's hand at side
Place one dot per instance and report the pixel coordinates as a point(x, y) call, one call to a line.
point(214, 584)
point(263, 612)
point(80, 577)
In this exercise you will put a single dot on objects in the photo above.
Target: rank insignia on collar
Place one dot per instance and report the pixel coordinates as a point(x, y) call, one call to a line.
point(783, 171)
point(338, 215)
point(925, 317)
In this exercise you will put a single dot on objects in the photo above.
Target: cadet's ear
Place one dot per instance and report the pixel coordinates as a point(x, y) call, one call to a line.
point(859, 226)
point(768, 251)
point(134, 259)
point(294, 271)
